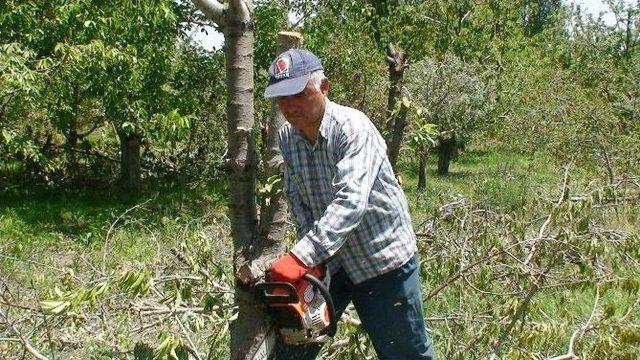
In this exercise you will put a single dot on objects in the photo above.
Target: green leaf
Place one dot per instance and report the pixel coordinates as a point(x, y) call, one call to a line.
point(55, 307)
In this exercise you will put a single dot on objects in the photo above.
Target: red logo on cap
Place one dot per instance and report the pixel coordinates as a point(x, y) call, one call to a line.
point(282, 68)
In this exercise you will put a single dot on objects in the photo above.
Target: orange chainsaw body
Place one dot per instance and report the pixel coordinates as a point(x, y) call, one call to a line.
point(303, 310)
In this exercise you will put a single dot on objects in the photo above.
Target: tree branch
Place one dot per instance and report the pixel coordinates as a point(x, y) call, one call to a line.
point(571, 355)
point(105, 247)
point(242, 8)
point(25, 342)
point(212, 9)
point(562, 198)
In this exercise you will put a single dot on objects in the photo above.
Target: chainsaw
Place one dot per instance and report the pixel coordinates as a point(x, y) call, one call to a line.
point(303, 312)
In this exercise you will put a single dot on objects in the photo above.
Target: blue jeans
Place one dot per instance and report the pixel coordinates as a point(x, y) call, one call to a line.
point(390, 308)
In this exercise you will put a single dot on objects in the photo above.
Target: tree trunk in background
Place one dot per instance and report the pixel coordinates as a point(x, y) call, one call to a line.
point(422, 170)
point(446, 150)
point(130, 161)
point(273, 217)
point(273, 213)
point(397, 116)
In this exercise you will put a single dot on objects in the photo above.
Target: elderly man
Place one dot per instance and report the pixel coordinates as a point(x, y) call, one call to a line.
point(349, 211)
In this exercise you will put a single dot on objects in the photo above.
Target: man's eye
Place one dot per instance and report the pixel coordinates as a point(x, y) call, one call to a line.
point(300, 94)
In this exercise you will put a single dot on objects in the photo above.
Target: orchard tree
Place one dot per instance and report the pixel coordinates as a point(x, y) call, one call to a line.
point(455, 96)
point(20, 85)
point(101, 63)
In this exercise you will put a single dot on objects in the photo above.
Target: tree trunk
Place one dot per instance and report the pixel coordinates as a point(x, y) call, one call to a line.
point(255, 244)
point(397, 116)
point(446, 150)
point(249, 329)
point(71, 142)
point(422, 170)
point(273, 213)
point(130, 161)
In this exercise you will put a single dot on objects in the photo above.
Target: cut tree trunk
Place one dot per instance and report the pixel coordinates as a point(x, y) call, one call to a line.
point(130, 161)
point(397, 115)
point(273, 213)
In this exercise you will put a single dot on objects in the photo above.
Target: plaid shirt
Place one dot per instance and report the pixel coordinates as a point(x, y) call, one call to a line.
point(347, 205)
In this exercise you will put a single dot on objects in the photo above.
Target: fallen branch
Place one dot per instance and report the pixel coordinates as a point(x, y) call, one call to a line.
point(23, 339)
point(456, 276)
point(562, 198)
point(571, 355)
point(105, 247)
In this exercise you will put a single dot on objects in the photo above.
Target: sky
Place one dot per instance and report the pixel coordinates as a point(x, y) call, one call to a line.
point(214, 39)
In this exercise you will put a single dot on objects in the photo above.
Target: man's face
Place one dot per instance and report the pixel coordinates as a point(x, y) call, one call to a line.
point(304, 110)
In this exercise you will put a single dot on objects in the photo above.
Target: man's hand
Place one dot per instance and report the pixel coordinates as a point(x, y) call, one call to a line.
point(288, 269)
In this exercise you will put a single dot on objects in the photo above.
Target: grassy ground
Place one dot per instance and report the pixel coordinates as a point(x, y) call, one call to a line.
point(53, 230)
point(52, 239)
point(510, 190)
point(497, 180)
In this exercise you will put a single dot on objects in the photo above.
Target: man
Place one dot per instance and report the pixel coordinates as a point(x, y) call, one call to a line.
point(349, 211)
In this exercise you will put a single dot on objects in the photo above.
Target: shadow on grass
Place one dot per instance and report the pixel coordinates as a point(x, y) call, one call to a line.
point(91, 211)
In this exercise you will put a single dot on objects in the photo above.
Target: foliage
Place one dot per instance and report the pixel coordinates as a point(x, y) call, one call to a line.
point(573, 97)
point(357, 72)
point(104, 71)
point(452, 94)
point(130, 277)
point(421, 136)
point(166, 284)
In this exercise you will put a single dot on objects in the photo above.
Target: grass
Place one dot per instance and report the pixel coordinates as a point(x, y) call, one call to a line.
point(55, 230)
point(500, 181)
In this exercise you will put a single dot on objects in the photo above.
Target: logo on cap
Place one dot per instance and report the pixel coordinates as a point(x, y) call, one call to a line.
point(282, 68)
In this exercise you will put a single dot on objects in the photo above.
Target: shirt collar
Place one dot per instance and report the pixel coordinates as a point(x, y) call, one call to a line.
point(324, 124)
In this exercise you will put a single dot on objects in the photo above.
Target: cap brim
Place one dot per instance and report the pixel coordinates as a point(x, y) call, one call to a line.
point(286, 87)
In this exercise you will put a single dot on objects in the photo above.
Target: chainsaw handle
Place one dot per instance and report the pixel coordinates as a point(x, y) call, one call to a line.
point(290, 297)
point(333, 322)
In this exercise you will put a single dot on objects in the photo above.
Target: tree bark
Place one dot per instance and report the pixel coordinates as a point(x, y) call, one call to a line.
point(397, 117)
point(446, 150)
point(130, 160)
point(273, 213)
point(249, 329)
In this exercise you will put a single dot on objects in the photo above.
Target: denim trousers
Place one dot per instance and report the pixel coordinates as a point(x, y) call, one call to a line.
point(390, 309)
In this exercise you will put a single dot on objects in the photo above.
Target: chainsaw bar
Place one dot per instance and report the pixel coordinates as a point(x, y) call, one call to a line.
point(267, 345)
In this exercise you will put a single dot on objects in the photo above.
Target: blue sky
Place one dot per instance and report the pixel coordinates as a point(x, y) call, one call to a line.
point(215, 39)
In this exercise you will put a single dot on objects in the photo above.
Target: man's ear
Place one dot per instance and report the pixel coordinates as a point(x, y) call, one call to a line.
point(324, 86)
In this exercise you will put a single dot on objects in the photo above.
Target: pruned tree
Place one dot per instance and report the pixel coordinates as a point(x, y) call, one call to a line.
point(234, 19)
point(396, 108)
